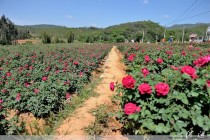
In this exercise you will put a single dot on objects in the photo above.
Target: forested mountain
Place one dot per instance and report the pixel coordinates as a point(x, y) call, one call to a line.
point(118, 33)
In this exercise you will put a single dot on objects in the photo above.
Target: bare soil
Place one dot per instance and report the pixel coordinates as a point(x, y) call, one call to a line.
point(113, 71)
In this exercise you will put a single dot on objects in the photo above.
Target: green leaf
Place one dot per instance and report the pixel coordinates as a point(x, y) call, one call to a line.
point(194, 94)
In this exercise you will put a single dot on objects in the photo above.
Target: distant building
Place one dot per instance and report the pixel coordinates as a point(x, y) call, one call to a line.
point(195, 38)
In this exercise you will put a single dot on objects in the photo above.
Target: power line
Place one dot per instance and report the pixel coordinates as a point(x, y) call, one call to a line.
point(193, 16)
point(195, 8)
point(183, 13)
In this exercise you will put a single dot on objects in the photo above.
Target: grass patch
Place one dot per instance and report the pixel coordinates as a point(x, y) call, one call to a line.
point(103, 115)
point(77, 101)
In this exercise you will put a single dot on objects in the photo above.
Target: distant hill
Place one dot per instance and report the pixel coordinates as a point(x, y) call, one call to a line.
point(177, 26)
point(130, 30)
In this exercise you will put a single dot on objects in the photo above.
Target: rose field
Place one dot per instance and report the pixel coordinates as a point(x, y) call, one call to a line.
point(39, 79)
point(166, 90)
point(154, 89)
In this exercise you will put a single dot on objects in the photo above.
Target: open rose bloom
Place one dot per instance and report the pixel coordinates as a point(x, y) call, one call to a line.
point(131, 108)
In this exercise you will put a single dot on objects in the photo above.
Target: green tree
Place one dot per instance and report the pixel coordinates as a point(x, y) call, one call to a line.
point(45, 38)
point(8, 31)
point(70, 37)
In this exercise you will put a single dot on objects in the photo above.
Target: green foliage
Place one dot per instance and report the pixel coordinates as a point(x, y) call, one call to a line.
point(70, 37)
point(46, 39)
point(120, 38)
point(8, 31)
point(39, 79)
point(184, 108)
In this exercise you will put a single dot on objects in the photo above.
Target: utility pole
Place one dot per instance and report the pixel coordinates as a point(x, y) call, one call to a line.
point(183, 36)
point(143, 37)
point(164, 33)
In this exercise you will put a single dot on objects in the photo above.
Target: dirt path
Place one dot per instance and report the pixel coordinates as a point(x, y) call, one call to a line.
point(113, 72)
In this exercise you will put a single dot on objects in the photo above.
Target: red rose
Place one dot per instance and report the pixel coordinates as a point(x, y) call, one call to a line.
point(147, 58)
point(44, 78)
point(162, 89)
point(111, 86)
point(145, 88)
point(18, 97)
point(145, 71)
point(183, 53)
point(131, 108)
point(9, 74)
point(208, 83)
point(76, 63)
point(128, 82)
point(169, 52)
point(131, 58)
point(36, 90)
point(159, 60)
point(189, 71)
point(68, 95)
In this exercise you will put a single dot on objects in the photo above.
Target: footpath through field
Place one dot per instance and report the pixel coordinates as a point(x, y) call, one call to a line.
point(113, 71)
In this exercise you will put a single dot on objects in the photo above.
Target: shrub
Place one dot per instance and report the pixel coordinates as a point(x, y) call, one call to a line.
point(173, 95)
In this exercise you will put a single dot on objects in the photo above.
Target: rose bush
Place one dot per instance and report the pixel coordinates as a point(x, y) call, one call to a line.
point(172, 89)
point(38, 79)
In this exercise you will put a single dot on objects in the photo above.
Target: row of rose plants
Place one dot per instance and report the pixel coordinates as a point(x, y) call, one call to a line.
point(166, 90)
point(39, 79)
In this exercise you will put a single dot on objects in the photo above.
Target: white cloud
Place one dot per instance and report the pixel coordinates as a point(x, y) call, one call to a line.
point(94, 25)
point(166, 16)
point(146, 1)
point(69, 17)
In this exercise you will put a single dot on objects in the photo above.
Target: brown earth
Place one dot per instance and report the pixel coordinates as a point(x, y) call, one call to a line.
point(22, 41)
point(114, 71)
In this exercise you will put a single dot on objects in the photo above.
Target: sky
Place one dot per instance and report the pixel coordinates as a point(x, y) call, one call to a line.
point(104, 13)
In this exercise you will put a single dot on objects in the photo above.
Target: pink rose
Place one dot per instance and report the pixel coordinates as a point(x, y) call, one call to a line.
point(159, 60)
point(111, 86)
point(189, 71)
point(174, 68)
point(36, 90)
point(145, 88)
point(162, 89)
point(208, 83)
point(18, 97)
point(68, 95)
point(128, 82)
point(76, 63)
point(147, 58)
point(1, 101)
point(44, 78)
point(9, 74)
point(202, 61)
point(131, 108)
point(145, 71)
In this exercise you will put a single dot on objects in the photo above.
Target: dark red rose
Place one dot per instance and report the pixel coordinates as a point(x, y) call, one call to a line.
point(162, 89)
point(111, 86)
point(183, 53)
point(128, 82)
